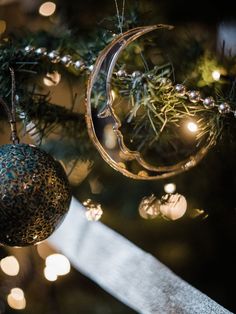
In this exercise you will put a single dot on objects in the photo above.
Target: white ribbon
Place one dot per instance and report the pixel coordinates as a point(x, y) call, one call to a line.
point(125, 271)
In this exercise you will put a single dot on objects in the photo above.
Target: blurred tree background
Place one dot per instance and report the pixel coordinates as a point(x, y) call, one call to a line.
point(199, 247)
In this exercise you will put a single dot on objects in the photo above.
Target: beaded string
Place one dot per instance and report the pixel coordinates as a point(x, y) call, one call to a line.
point(54, 57)
point(79, 65)
point(193, 95)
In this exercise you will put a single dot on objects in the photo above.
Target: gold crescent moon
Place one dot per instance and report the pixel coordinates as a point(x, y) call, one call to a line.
point(104, 65)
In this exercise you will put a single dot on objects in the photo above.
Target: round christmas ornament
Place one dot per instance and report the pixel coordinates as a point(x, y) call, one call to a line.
point(173, 206)
point(34, 190)
point(149, 207)
point(34, 195)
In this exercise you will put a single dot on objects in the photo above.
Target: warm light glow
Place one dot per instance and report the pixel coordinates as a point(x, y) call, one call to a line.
point(109, 137)
point(15, 303)
point(216, 75)
point(94, 214)
point(169, 188)
point(173, 206)
point(113, 95)
point(49, 274)
point(47, 8)
point(59, 263)
point(44, 250)
point(52, 79)
point(2, 26)
point(192, 127)
point(10, 266)
point(17, 294)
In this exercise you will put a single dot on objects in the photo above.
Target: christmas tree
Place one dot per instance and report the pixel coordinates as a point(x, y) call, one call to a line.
point(136, 100)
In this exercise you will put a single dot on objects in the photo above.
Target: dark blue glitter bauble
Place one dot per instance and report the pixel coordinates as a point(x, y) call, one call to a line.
point(34, 195)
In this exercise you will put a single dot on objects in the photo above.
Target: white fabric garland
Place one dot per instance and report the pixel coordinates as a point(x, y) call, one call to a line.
point(128, 273)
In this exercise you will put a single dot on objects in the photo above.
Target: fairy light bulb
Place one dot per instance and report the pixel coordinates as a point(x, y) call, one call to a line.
point(110, 140)
point(16, 299)
point(10, 266)
point(17, 294)
point(49, 274)
point(216, 75)
point(192, 127)
point(59, 263)
point(2, 26)
point(173, 206)
point(47, 8)
point(169, 188)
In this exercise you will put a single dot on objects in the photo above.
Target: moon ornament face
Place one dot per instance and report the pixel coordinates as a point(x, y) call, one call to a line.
point(130, 162)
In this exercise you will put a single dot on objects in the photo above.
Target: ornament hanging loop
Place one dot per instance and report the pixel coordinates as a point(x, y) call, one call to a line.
point(11, 113)
point(12, 121)
point(14, 136)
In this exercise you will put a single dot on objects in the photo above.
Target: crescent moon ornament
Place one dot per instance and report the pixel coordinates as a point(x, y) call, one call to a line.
point(130, 163)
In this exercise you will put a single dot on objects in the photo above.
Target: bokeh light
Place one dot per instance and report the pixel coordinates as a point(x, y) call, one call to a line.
point(192, 127)
point(47, 8)
point(59, 263)
point(216, 75)
point(49, 274)
point(16, 299)
point(170, 188)
point(10, 266)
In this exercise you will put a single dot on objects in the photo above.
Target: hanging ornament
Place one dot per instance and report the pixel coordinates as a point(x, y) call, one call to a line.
point(34, 194)
point(34, 191)
point(173, 206)
point(131, 162)
point(149, 207)
point(93, 210)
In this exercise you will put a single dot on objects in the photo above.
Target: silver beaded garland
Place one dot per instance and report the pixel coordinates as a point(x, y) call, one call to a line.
point(224, 108)
point(54, 56)
point(121, 73)
point(194, 96)
point(78, 64)
point(136, 74)
point(41, 51)
point(180, 89)
point(66, 60)
point(29, 49)
point(209, 102)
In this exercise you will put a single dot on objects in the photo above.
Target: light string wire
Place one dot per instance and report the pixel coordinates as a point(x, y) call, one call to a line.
point(120, 18)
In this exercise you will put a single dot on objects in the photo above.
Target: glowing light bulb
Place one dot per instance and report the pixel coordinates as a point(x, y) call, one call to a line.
point(10, 266)
point(113, 95)
point(173, 206)
point(59, 263)
point(16, 299)
point(47, 8)
point(17, 293)
point(16, 304)
point(169, 188)
point(49, 274)
point(109, 137)
point(192, 127)
point(216, 75)
point(2, 26)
